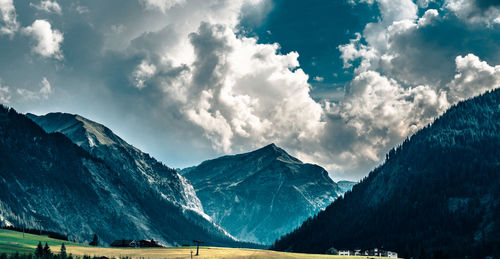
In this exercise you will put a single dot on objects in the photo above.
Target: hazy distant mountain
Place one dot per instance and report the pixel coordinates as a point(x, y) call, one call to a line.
point(259, 196)
point(436, 196)
point(346, 185)
point(47, 177)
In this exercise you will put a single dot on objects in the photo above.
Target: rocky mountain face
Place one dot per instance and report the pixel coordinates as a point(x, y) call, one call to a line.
point(259, 196)
point(436, 196)
point(102, 185)
point(139, 170)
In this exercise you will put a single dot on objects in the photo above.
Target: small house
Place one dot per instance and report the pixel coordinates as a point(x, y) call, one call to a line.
point(392, 254)
point(346, 252)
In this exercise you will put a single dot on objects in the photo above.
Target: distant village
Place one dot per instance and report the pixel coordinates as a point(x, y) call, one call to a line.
point(358, 252)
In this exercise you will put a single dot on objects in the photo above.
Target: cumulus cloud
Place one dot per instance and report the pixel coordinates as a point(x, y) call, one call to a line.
point(428, 17)
point(394, 93)
point(8, 18)
point(48, 40)
point(47, 6)
point(472, 78)
point(42, 94)
point(376, 114)
point(244, 93)
point(194, 78)
point(475, 11)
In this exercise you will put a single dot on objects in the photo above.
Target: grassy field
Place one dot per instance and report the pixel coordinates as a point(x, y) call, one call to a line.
point(12, 242)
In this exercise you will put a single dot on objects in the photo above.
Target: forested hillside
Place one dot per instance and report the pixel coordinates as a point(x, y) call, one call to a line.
point(436, 195)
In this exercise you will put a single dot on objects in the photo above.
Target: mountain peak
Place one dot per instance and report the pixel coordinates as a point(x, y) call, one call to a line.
point(270, 147)
point(272, 150)
point(249, 193)
point(81, 130)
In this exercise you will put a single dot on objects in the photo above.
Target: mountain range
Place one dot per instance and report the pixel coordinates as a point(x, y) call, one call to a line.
point(101, 186)
point(261, 195)
point(437, 195)
point(66, 173)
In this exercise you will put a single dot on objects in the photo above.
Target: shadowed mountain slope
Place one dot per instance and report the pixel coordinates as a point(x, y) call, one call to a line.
point(260, 195)
point(47, 180)
point(436, 196)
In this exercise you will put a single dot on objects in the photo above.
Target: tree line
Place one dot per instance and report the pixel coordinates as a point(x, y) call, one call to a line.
point(44, 252)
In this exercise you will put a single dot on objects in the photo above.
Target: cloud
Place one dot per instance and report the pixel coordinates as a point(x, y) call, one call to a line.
point(162, 5)
point(428, 17)
point(201, 88)
point(4, 94)
point(48, 41)
point(8, 18)
point(81, 9)
point(402, 81)
point(318, 79)
point(424, 3)
point(46, 89)
point(42, 94)
point(475, 11)
point(376, 114)
point(243, 93)
point(142, 73)
point(473, 77)
point(48, 6)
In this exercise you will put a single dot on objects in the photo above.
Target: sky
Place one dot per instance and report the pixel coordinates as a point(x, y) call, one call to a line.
point(334, 82)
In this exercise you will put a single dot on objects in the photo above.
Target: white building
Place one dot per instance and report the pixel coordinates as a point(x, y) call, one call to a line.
point(392, 254)
point(345, 252)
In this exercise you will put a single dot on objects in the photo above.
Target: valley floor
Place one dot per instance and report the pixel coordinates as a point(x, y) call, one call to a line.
point(12, 242)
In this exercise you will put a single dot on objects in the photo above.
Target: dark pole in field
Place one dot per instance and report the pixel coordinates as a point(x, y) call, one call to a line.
point(24, 223)
point(198, 242)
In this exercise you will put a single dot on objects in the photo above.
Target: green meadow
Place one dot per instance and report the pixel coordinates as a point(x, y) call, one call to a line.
point(15, 242)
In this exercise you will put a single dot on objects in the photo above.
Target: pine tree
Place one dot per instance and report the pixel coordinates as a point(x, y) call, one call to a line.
point(39, 250)
point(63, 254)
point(95, 241)
point(46, 251)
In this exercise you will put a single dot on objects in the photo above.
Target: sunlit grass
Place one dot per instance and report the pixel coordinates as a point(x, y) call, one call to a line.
point(12, 242)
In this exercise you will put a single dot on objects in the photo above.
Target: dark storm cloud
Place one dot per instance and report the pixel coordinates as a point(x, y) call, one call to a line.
point(486, 4)
point(209, 50)
point(427, 54)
